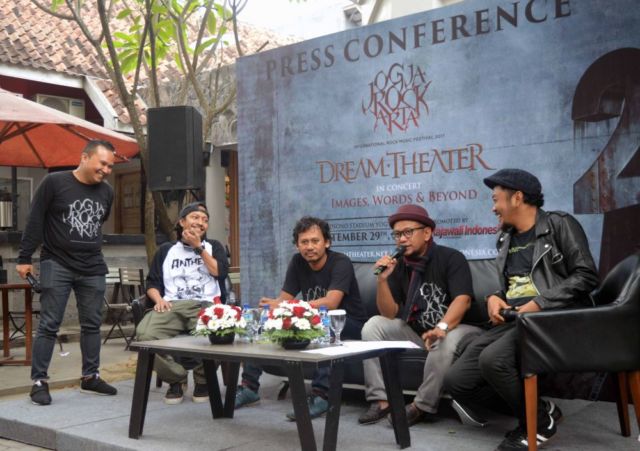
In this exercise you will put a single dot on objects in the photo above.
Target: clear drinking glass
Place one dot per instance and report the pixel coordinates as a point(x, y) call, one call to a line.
point(252, 317)
point(338, 318)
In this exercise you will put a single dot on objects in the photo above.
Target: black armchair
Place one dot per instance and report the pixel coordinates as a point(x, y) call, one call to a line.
point(605, 338)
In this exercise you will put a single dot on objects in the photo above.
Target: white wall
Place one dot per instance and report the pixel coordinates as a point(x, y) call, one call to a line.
point(392, 9)
point(215, 196)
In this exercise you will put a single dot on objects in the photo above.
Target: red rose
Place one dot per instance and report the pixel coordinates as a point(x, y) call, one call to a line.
point(218, 311)
point(217, 300)
point(201, 312)
point(286, 323)
point(315, 320)
point(238, 312)
point(299, 311)
point(205, 319)
point(293, 301)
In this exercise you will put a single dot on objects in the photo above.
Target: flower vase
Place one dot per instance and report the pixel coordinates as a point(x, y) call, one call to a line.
point(222, 339)
point(293, 344)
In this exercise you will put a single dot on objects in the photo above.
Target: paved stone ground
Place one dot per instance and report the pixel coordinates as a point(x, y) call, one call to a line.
point(76, 421)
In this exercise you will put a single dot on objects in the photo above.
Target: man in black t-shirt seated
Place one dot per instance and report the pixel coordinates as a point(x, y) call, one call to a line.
point(322, 277)
point(543, 262)
point(421, 297)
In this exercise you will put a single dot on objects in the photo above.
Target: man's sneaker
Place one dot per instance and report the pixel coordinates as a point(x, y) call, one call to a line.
point(553, 410)
point(40, 394)
point(246, 397)
point(200, 393)
point(318, 406)
point(517, 439)
point(96, 386)
point(175, 393)
point(467, 415)
point(374, 414)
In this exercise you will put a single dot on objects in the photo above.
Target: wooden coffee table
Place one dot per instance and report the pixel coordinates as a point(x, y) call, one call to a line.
point(292, 363)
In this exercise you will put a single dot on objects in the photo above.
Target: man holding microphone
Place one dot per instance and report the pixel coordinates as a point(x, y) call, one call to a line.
point(422, 297)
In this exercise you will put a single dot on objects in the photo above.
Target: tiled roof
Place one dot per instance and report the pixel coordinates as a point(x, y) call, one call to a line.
point(31, 38)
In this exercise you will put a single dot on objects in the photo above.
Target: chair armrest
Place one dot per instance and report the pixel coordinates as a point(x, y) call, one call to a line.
point(603, 338)
point(139, 307)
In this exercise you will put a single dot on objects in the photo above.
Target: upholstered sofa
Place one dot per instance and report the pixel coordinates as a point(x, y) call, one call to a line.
point(485, 281)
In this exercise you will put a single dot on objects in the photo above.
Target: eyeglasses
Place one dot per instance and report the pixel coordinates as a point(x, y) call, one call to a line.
point(407, 233)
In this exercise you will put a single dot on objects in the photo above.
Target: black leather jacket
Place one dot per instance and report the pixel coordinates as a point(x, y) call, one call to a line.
point(563, 271)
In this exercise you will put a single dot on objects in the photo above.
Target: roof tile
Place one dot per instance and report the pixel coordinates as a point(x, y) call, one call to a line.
point(32, 38)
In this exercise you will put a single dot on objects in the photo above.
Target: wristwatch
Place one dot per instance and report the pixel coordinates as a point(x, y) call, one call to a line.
point(443, 326)
point(198, 250)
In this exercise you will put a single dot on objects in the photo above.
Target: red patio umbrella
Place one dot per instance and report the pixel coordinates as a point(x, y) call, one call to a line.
point(33, 135)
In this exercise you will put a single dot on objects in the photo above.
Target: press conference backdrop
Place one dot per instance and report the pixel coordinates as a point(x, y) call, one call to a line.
point(420, 109)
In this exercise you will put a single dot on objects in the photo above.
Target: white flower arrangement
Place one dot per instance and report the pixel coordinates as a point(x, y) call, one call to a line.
point(293, 320)
point(220, 319)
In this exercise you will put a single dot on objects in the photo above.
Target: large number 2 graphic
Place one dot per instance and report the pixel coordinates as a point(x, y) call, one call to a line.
point(610, 88)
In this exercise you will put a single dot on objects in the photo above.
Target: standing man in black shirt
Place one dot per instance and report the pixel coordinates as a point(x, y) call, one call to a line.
point(421, 297)
point(322, 277)
point(67, 214)
point(544, 263)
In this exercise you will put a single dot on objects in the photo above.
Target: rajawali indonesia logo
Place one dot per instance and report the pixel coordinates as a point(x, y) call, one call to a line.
point(397, 98)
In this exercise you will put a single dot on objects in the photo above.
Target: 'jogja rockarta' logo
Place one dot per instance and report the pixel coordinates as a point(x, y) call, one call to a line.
point(397, 97)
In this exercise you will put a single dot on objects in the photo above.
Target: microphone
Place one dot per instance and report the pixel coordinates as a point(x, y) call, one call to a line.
point(35, 285)
point(399, 252)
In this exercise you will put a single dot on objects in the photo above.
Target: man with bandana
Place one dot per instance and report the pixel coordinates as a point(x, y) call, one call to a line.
point(421, 297)
point(184, 277)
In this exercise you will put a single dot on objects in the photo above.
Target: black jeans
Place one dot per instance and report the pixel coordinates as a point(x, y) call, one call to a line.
point(320, 383)
point(56, 282)
point(490, 365)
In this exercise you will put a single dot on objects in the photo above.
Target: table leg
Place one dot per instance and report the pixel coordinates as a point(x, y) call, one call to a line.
point(140, 392)
point(300, 405)
point(233, 370)
point(389, 364)
point(5, 323)
point(335, 400)
point(28, 320)
point(215, 399)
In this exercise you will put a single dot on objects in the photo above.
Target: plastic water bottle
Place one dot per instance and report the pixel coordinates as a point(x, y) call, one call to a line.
point(264, 316)
point(246, 314)
point(326, 326)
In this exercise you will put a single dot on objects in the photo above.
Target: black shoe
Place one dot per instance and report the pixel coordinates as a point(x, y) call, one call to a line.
point(517, 439)
point(467, 415)
point(175, 393)
point(374, 414)
point(40, 394)
point(553, 410)
point(96, 386)
point(200, 393)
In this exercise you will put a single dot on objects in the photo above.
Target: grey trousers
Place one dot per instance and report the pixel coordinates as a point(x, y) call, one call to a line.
point(158, 325)
point(438, 361)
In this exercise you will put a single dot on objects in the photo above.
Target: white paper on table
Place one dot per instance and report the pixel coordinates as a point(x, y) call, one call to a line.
point(348, 347)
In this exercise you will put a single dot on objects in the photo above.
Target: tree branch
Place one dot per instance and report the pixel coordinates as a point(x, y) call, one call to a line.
point(51, 12)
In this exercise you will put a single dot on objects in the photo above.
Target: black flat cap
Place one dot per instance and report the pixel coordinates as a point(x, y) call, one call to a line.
point(516, 179)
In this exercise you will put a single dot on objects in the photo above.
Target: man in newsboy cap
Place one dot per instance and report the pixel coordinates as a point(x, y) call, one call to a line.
point(422, 297)
point(543, 263)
